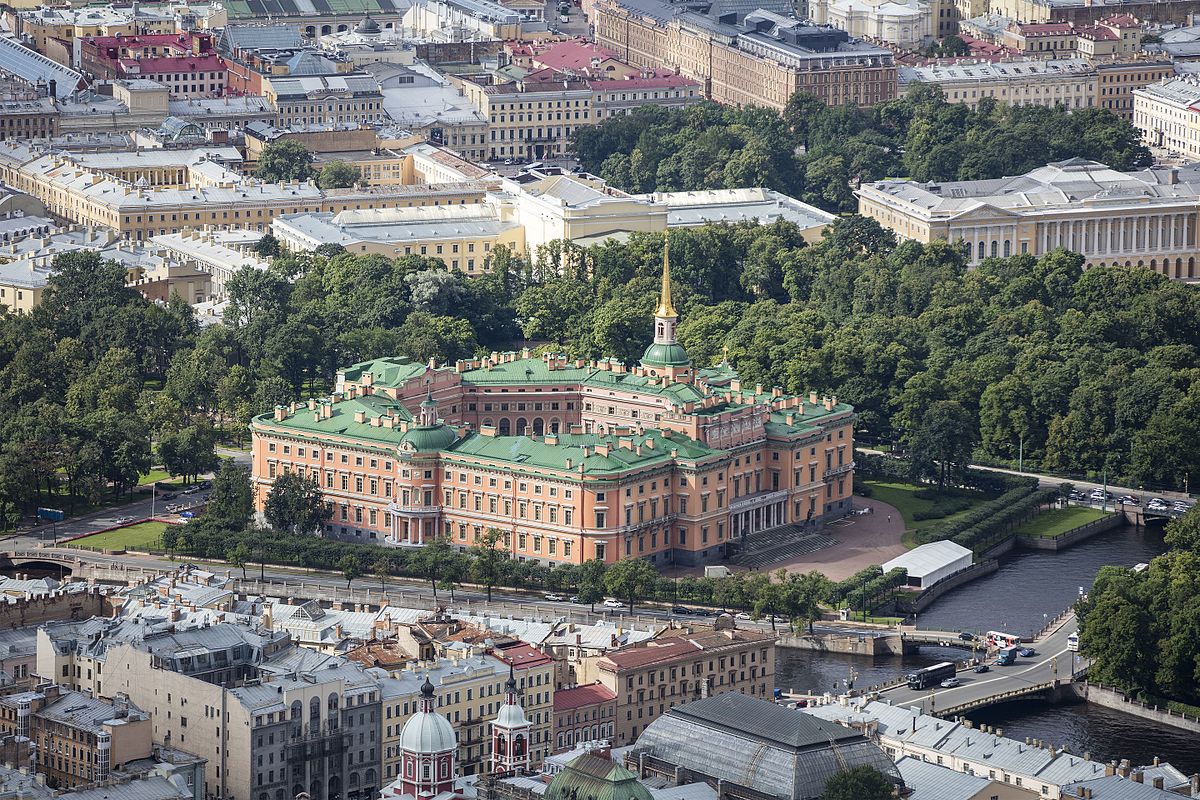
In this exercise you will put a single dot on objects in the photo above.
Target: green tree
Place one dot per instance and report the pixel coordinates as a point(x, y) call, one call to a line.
point(490, 559)
point(231, 501)
point(287, 160)
point(294, 504)
point(189, 452)
point(591, 582)
point(859, 783)
point(455, 569)
point(804, 595)
point(382, 569)
point(239, 556)
point(630, 579)
point(350, 567)
point(431, 559)
point(941, 446)
point(338, 174)
point(268, 246)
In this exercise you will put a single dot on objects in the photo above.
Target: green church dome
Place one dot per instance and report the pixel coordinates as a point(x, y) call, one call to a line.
point(664, 355)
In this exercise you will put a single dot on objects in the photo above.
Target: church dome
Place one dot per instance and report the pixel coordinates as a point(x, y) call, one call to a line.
point(427, 732)
point(428, 438)
point(511, 714)
point(367, 26)
point(664, 355)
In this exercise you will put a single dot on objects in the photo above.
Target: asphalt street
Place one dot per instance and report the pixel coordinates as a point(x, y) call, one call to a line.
point(1053, 661)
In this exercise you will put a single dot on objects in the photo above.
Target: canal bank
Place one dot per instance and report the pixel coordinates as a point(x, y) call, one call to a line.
point(1026, 589)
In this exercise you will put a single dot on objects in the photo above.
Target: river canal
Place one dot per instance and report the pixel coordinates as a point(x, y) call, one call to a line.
point(1015, 598)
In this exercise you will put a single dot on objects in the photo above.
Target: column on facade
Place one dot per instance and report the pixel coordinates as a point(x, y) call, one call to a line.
point(1045, 236)
point(1187, 231)
point(1158, 243)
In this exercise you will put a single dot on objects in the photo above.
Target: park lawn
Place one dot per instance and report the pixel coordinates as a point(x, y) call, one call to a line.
point(902, 497)
point(142, 536)
point(153, 476)
point(1057, 521)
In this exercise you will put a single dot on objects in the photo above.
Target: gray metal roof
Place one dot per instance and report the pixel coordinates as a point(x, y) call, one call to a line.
point(931, 782)
point(262, 37)
point(759, 745)
point(741, 713)
point(33, 67)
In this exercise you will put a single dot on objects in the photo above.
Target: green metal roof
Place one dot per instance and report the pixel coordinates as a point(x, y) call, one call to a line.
point(428, 439)
point(341, 422)
point(590, 777)
point(389, 372)
point(535, 451)
point(269, 9)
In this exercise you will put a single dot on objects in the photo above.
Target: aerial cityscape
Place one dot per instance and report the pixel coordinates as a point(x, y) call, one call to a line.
point(600, 400)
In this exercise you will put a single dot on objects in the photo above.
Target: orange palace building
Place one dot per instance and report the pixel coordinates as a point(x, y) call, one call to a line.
point(571, 459)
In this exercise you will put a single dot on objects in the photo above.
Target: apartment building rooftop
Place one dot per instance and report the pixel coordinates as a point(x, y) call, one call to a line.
point(990, 71)
point(666, 649)
point(1055, 186)
point(422, 223)
point(952, 737)
point(78, 710)
point(760, 205)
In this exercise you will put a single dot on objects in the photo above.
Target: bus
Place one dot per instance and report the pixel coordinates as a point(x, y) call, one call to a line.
point(930, 676)
point(997, 640)
point(1007, 655)
point(1073, 642)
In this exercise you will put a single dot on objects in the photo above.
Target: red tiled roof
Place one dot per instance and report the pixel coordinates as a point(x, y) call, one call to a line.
point(590, 695)
point(1098, 33)
point(1044, 28)
point(522, 656)
point(1121, 21)
point(575, 54)
point(651, 653)
point(181, 63)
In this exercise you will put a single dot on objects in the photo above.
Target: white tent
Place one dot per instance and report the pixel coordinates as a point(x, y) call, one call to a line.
point(931, 562)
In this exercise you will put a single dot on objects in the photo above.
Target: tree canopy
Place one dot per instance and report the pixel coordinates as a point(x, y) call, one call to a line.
point(286, 160)
point(1142, 629)
point(819, 153)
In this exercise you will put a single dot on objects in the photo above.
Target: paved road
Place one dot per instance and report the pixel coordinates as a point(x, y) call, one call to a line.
point(1052, 661)
point(1058, 480)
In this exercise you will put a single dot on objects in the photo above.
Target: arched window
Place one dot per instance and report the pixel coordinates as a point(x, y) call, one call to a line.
point(522, 426)
point(519, 745)
point(297, 710)
point(995, 248)
point(333, 702)
point(660, 330)
point(539, 426)
point(505, 427)
point(554, 424)
point(1007, 248)
point(425, 770)
point(981, 250)
point(314, 709)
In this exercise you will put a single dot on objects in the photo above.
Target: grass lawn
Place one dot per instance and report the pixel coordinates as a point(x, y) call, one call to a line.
point(153, 476)
point(131, 537)
point(1058, 521)
point(902, 497)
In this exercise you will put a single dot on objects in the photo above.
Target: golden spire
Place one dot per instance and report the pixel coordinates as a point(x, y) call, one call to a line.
point(665, 307)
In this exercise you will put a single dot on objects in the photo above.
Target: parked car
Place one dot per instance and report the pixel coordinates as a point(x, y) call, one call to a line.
point(982, 668)
point(553, 598)
point(703, 612)
point(1027, 652)
point(967, 637)
point(950, 683)
point(742, 615)
point(575, 599)
point(681, 610)
point(610, 602)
